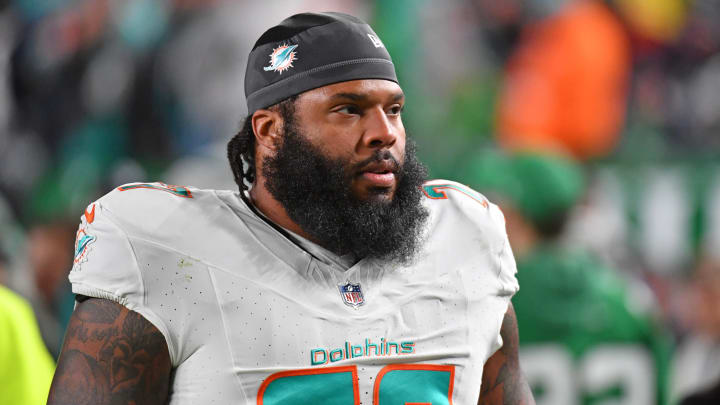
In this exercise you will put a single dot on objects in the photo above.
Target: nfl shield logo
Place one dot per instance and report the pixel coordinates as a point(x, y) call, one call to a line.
point(351, 294)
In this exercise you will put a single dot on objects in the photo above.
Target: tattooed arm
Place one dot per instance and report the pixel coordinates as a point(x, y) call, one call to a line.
point(502, 381)
point(111, 355)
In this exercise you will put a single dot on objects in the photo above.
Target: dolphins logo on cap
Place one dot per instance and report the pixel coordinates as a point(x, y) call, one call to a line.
point(281, 58)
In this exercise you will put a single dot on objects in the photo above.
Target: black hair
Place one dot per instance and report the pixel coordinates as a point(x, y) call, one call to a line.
point(241, 148)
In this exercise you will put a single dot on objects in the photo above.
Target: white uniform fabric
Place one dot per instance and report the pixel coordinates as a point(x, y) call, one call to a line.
point(246, 312)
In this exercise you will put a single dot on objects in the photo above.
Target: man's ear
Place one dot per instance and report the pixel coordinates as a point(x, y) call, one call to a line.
point(267, 125)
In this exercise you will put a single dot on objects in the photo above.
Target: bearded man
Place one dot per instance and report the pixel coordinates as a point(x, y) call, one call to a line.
point(336, 275)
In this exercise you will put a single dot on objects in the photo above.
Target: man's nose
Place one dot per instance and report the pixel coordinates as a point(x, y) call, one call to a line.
point(380, 131)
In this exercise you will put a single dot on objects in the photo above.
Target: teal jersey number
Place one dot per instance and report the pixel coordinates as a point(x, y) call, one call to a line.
point(327, 386)
point(399, 384)
point(414, 384)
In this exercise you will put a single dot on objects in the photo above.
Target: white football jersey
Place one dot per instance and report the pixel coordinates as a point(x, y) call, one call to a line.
point(251, 318)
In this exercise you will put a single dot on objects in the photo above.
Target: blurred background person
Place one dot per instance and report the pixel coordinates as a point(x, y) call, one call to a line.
point(50, 254)
point(586, 337)
point(697, 365)
point(565, 84)
point(26, 367)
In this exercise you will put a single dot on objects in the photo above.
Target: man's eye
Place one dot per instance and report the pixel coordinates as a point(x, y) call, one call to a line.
point(395, 110)
point(348, 109)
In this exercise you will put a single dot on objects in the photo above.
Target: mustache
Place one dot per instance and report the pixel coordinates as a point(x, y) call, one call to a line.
point(380, 156)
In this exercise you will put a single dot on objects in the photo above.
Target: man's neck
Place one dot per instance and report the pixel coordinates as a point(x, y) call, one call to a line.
point(273, 209)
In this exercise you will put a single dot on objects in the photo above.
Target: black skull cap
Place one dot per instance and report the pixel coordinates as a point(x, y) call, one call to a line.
point(311, 50)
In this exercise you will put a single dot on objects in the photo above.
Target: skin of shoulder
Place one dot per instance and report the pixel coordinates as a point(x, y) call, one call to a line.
point(111, 355)
point(503, 382)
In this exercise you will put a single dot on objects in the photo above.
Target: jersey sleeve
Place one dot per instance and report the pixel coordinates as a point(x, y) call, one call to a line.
point(507, 268)
point(481, 222)
point(105, 266)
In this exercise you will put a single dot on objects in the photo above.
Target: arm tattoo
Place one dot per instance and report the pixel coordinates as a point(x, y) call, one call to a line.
point(502, 381)
point(111, 355)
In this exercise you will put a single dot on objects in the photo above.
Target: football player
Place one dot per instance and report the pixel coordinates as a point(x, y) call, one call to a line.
point(585, 340)
point(336, 275)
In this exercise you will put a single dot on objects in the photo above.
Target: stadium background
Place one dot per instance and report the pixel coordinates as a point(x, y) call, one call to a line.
point(96, 93)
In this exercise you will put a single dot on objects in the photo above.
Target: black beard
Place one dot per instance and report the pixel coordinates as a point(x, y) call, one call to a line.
point(316, 193)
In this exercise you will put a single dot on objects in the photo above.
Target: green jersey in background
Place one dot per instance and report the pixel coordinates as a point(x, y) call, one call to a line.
point(581, 339)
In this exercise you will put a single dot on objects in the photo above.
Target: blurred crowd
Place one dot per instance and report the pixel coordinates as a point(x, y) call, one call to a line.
point(593, 123)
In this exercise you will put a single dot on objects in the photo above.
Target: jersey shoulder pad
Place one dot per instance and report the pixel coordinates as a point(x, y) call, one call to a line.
point(117, 229)
point(471, 216)
point(103, 256)
point(451, 190)
point(148, 207)
point(463, 201)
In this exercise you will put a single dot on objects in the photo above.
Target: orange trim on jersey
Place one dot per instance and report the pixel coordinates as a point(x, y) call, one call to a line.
point(430, 367)
point(90, 216)
point(180, 191)
point(443, 195)
point(312, 371)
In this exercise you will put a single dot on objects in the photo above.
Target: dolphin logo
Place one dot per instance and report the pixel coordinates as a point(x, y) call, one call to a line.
point(81, 245)
point(281, 58)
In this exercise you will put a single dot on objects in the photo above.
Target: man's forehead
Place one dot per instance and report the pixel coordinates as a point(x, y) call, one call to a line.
point(356, 90)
